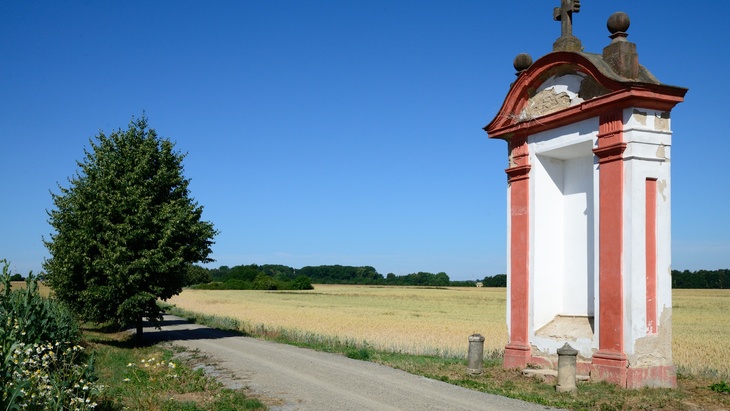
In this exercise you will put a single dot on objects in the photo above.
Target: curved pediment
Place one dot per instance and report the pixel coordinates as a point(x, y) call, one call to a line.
point(563, 81)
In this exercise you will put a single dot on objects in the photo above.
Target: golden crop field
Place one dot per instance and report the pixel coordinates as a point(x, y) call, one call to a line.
point(413, 320)
point(700, 333)
point(440, 320)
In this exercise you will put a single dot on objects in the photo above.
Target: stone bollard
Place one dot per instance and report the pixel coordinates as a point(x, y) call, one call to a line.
point(475, 361)
point(566, 369)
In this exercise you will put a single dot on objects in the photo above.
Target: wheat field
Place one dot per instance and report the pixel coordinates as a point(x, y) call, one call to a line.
point(438, 321)
point(700, 335)
point(434, 321)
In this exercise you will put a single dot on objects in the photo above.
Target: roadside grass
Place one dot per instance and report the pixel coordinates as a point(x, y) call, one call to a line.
point(153, 378)
point(694, 392)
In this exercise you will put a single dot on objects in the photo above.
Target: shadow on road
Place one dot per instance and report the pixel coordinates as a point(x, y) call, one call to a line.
point(178, 329)
point(171, 329)
point(168, 323)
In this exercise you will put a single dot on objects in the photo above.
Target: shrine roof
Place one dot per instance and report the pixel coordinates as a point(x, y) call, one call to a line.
point(613, 79)
point(644, 75)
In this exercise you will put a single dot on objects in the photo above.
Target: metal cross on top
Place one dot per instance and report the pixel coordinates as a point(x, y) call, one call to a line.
point(564, 14)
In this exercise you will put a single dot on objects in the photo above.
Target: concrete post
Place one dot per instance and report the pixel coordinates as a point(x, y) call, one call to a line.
point(566, 369)
point(475, 361)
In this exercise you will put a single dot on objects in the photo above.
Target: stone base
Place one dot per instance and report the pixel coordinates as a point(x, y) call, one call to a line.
point(660, 376)
point(609, 367)
point(516, 356)
point(551, 363)
point(614, 368)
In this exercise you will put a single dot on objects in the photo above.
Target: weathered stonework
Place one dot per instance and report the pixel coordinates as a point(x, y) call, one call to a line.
point(655, 349)
point(640, 116)
point(564, 88)
point(662, 187)
point(590, 88)
point(545, 102)
point(661, 122)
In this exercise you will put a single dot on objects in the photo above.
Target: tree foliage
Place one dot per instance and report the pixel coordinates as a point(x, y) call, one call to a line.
point(341, 274)
point(718, 279)
point(197, 275)
point(302, 282)
point(264, 282)
point(126, 228)
point(499, 280)
point(420, 278)
point(254, 277)
point(246, 277)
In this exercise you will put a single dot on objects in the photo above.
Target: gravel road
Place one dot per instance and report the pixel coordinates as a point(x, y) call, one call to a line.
point(291, 378)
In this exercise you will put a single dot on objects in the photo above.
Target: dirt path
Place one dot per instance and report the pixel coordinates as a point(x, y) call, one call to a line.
point(292, 378)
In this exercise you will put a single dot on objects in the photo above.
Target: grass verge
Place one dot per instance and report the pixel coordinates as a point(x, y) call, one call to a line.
point(152, 378)
point(693, 393)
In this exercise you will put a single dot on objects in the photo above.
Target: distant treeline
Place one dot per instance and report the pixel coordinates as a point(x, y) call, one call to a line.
point(499, 280)
point(717, 279)
point(251, 277)
point(281, 277)
point(271, 276)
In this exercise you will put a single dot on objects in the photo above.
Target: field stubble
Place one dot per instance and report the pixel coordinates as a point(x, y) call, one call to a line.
point(438, 321)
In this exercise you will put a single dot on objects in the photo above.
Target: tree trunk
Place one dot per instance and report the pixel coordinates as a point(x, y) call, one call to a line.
point(139, 330)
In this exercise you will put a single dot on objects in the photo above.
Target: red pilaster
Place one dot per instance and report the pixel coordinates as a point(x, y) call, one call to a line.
point(651, 308)
point(517, 351)
point(610, 363)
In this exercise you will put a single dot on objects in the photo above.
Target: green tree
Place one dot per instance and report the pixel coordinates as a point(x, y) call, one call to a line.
point(499, 280)
point(441, 279)
point(264, 282)
point(302, 282)
point(243, 272)
point(197, 275)
point(126, 229)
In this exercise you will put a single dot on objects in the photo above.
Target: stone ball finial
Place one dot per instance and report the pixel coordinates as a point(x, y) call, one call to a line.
point(522, 62)
point(618, 22)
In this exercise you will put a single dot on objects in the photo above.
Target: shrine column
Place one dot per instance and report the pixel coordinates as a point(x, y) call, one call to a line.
point(517, 351)
point(610, 362)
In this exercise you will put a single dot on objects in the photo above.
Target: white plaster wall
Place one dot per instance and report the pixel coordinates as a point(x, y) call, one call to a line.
point(547, 245)
point(647, 155)
point(564, 263)
point(562, 142)
point(578, 252)
point(563, 238)
point(596, 258)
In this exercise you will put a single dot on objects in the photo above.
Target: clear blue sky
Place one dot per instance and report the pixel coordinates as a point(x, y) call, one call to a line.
point(336, 132)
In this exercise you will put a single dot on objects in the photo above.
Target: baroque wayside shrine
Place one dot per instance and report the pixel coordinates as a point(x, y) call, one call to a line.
point(588, 194)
